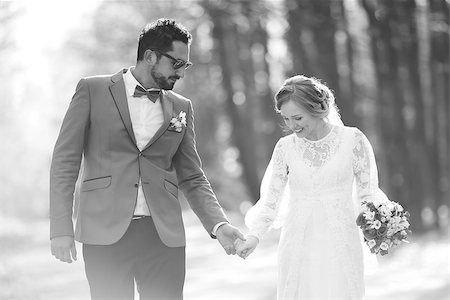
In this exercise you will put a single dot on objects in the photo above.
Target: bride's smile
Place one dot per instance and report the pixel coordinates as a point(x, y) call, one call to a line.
point(302, 123)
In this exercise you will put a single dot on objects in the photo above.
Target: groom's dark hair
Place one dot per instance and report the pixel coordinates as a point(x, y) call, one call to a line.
point(160, 34)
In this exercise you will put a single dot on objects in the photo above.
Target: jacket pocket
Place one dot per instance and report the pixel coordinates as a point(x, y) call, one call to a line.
point(171, 188)
point(96, 183)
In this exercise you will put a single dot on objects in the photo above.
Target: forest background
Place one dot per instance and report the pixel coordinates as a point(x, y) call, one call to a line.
point(386, 60)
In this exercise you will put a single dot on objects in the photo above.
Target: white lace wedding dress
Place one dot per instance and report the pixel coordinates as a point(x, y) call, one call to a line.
point(320, 255)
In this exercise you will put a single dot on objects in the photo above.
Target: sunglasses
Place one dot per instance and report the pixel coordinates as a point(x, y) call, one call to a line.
point(177, 62)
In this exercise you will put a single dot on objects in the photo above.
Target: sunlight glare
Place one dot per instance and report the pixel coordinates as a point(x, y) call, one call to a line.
point(49, 20)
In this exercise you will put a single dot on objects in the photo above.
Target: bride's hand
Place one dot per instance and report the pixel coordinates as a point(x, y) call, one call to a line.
point(245, 248)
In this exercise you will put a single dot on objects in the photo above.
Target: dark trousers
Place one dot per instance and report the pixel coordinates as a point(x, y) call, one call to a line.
point(139, 256)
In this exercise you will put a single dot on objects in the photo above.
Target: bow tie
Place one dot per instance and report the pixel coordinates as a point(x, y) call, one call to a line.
point(152, 94)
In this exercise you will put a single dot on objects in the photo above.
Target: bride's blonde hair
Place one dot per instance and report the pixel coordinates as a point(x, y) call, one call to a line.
point(309, 92)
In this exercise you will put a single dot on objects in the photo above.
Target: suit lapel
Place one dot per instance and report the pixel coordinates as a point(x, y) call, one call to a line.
point(167, 108)
point(120, 98)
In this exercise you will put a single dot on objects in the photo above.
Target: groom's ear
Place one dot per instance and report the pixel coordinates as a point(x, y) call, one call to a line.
point(150, 56)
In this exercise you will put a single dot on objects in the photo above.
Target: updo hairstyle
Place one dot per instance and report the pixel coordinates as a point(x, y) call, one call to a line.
point(308, 92)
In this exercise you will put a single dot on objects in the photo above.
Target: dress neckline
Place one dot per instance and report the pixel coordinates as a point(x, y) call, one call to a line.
point(322, 138)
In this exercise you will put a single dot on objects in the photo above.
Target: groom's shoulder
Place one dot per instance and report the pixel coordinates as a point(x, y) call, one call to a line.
point(177, 96)
point(103, 78)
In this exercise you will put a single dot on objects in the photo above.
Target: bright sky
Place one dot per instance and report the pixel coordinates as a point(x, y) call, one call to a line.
point(39, 27)
point(50, 19)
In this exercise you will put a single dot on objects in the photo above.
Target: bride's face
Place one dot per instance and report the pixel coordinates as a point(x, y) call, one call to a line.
point(300, 121)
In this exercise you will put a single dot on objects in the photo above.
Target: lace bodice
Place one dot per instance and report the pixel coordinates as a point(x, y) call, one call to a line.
point(317, 153)
point(314, 171)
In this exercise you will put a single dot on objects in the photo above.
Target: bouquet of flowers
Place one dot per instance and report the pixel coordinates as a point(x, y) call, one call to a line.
point(384, 225)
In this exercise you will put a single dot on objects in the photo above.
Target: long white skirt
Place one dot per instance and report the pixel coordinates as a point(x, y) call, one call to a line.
point(309, 267)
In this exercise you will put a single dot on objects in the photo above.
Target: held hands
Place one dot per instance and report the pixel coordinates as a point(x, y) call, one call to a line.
point(62, 247)
point(245, 248)
point(227, 235)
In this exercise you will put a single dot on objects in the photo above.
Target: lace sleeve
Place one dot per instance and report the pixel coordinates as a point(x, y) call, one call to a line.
point(365, 170)
point(261, 216)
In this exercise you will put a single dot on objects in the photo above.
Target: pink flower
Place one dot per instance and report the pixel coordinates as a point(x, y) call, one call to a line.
point(382, 231)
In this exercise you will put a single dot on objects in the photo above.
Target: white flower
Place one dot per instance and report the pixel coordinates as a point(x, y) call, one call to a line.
point(384, 246)
point(385, 210)
point(369, 215)
point(177, 123)
point(404, 222)
point(377, 203)
point(182, 118)
point(376, 224)
point(371, 243)
point(391, 231)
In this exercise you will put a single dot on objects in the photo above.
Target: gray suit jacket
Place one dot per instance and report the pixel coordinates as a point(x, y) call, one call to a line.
point(97, 127)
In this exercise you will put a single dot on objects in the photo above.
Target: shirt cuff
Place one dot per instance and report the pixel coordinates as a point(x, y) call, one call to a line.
point(214, 231)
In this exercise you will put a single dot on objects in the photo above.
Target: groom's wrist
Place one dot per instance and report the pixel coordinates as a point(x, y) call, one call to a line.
point(216, 227)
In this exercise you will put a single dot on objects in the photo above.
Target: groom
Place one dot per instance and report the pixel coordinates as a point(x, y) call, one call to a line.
point(135, 143)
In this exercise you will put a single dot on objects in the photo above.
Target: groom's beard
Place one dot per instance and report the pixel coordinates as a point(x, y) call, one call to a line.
point(163, 82)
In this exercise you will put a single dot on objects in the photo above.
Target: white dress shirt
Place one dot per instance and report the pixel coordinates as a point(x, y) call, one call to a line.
point(146, 118)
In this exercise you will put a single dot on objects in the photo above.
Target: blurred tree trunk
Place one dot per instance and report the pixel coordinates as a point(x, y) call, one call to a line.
point(234, 61)
point(312, 40)
point(258, 75)
point(403, 108)
point(429, 159)
point(390, 104)
point(439, 60)
point(425, 181)
point(240, 40)
point(362, 71)
point(346, 58)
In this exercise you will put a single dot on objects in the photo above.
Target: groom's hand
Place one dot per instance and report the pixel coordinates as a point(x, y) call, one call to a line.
point(244, 249)
point(62, 247)
point(226, 235)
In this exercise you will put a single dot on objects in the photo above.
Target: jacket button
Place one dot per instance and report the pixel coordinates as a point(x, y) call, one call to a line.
point(136, 185)
point(140, 153)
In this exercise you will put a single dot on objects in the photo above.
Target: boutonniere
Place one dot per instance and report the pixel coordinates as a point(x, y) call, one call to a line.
point(178, 122)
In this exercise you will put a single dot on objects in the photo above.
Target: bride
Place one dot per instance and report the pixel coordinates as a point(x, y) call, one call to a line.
point(307, 189)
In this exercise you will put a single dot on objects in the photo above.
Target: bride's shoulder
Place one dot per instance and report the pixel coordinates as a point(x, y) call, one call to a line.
point(285, 141)
point(354, 133)
point(351, 130)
